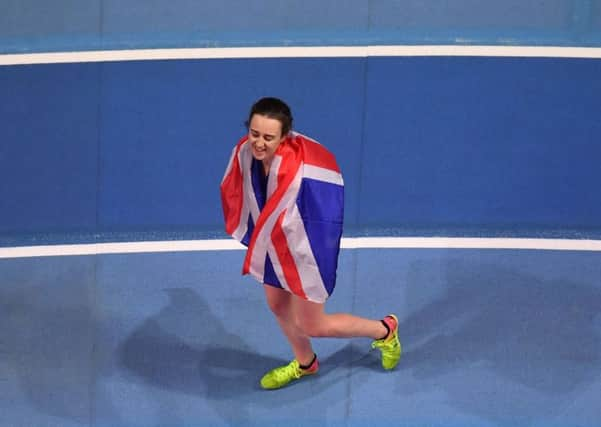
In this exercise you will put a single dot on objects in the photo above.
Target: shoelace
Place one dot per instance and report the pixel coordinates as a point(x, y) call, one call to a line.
point(291, 370)
point(384, 345)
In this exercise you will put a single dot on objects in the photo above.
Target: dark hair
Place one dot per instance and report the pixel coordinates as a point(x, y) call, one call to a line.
point(273, 108)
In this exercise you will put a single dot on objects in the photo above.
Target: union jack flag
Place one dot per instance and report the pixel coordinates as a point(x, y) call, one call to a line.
point(291, 220)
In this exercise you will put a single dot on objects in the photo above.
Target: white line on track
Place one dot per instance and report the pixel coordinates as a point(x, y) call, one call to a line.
point(347, 243)
point(297, 52)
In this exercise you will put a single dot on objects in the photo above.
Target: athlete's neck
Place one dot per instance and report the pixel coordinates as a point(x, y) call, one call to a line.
point(266, 166)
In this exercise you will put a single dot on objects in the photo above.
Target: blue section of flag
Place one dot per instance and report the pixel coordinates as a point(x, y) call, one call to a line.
point(321, 207)
point(259, 182)
point(321, 201)
point(269, 276)
point(249, 231)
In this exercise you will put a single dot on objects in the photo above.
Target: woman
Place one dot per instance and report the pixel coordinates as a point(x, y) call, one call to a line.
point(282, 196)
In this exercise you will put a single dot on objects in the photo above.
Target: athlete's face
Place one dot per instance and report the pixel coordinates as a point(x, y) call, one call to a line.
point(265, 135)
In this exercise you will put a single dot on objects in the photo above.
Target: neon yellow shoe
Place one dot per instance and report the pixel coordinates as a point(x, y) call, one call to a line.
point(390, 347)
point(281, 376)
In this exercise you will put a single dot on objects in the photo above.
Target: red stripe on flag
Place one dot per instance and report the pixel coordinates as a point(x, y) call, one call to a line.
point(232, 195)
point(317, 155)
point(288, 169)
point(285, 257)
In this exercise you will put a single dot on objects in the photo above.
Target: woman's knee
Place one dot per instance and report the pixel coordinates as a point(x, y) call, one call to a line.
point(312, 320)
point(278, 301)
point(313, 327)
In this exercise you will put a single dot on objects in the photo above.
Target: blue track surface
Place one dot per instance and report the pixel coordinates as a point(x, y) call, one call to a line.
point(491, 338)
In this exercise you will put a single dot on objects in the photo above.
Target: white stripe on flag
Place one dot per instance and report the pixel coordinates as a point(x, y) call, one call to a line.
point(249, 192)
point(272, 181)
point(271, 186)
point(257, 261)
point(300, 248)
point(323, 174)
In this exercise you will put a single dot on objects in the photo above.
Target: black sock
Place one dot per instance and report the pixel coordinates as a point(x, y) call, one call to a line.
point(310, 364)
point(387, 329)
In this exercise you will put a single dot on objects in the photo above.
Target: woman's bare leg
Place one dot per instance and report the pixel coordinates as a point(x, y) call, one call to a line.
point(281, 303)
point(300, 319)
point(314, 322)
